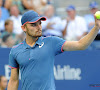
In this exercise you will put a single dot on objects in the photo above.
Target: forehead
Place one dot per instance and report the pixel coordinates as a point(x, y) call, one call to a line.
point(35, 22)
point(93, 8)
point(71, 11)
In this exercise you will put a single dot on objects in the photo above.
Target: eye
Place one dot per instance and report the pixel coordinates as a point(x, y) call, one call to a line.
point(33, 24)
point(40, 23)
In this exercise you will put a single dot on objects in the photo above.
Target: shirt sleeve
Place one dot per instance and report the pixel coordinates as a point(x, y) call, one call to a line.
point(57, 44)
point(12, 61)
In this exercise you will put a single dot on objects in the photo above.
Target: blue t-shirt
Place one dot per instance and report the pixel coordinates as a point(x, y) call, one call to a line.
point(4, 14)
point(36, 63)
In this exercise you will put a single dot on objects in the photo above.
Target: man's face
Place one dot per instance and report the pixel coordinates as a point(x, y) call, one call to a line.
point(10, 41)
point(71, 13)
point(3, 82)
point(50, 11)
point(93, 10)
point(9, 27)
point(34, 29)
point(14, 10)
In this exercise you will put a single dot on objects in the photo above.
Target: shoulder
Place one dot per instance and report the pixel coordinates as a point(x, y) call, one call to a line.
point(20, 16)
point(49, 38)
point(80, 18)
point(3, 8)
point(87, 15)
point(52, 38)
point(46, 38)
point(56, 17)
point(3, 34)
point(11, 17)
point(17, 47)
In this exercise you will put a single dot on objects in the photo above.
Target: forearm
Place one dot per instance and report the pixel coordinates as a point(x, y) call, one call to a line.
point(13, 85)
point(88, 39)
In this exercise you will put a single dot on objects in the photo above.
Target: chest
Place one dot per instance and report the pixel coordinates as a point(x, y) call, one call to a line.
point(39, 53)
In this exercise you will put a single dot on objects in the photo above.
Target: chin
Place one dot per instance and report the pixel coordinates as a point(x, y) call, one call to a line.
point(38, 35)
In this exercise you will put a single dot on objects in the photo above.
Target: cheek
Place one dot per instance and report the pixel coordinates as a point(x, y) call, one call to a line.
point(31, 31)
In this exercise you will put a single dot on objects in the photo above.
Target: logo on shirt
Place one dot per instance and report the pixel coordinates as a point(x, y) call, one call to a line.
point(41, 45)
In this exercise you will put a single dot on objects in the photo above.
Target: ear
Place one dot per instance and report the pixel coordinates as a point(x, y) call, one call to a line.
point(23, 28)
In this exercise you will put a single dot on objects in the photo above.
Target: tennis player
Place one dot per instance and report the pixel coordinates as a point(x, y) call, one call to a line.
point(35, 55)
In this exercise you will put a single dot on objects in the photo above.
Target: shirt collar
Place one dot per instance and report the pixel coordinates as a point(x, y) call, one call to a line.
point(38, 42)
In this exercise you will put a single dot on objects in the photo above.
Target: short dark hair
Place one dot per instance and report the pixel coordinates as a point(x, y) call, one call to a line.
point(8, 21)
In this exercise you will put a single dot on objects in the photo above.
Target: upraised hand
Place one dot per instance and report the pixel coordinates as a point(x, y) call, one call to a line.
point(97, 22)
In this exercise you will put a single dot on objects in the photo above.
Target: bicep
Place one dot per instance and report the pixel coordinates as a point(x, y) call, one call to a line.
point(14, 74)
point(71, 46)
point(14, 80)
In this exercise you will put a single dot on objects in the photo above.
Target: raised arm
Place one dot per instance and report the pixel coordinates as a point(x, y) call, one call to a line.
point(85, 41)
point(14, 80)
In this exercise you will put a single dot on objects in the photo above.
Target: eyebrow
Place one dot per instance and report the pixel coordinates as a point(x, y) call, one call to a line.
point(36, 22)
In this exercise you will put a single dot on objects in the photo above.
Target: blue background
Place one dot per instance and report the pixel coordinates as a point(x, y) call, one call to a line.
point(87, 61)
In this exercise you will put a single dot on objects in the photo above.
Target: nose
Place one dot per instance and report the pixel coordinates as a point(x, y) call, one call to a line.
point(39, 26)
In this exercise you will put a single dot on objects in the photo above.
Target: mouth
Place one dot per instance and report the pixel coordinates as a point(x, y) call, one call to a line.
point(39, 31)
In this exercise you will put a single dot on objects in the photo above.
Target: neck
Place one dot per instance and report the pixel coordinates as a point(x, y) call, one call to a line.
point(31, 40)
point(73, 17)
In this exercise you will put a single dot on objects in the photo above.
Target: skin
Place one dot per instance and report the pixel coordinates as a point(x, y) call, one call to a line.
point(3, 83)
point(0, 3)
point(49, 12)
point(71, 17)
point(0, 8)
point(14, 79)
point(32, 34)
point(10, 42)
point(9, 27)
point(93, 11)
point(71, 14)
point(14, 10)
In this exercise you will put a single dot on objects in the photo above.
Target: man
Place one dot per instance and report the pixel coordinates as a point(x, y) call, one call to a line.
point(35, 55)
point(75, 28)
point(3, 82)
point(16, 18)
point(36, 5)
point(8, 41)
point(4, 15)
point(9, 30)
point(90, 20)
point(52, 26)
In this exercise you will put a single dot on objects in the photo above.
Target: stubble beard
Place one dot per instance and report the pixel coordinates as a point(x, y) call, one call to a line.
point(35, 35)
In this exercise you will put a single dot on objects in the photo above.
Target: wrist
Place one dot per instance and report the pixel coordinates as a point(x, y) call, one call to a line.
point(96, 27)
